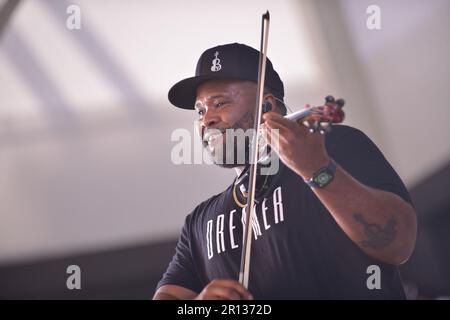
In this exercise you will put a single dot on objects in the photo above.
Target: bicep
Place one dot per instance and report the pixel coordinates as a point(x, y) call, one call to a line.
point(174, 292)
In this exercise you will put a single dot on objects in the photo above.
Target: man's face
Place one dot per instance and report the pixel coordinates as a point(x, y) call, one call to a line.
point(226, 105)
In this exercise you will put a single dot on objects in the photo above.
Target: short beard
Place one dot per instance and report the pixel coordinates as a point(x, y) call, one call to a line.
point(244, 124)
point(231, 158)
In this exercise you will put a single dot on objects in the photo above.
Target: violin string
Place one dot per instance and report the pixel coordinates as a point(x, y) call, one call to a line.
point(284, 104)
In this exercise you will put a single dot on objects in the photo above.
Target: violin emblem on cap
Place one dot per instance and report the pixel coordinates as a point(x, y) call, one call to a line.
point(216, 63)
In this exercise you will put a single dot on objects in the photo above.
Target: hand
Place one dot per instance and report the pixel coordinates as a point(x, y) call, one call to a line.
point(222, 289)
point(300, 150)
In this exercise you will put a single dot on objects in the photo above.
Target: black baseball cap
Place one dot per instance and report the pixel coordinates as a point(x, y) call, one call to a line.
point(229, 61)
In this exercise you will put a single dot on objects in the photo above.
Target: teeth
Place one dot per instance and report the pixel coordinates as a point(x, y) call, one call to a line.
point(213, 136)
point(210, 136)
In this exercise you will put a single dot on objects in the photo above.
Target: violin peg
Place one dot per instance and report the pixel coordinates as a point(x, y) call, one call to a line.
point(322, 132)
point(340, 102)
point(306, 123)
point(316, 124)
point(311, 130)
point(329, 99)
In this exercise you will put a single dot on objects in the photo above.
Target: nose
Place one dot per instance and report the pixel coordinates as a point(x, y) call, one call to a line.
point(210, 118)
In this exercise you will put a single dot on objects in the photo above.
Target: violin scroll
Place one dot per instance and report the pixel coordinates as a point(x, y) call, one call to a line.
point(319, 118)
point(322, 117)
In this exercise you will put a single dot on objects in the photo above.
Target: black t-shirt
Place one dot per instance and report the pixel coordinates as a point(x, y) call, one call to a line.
point(298, 249)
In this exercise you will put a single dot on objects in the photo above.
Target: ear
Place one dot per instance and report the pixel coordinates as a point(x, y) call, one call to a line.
point(271, 98)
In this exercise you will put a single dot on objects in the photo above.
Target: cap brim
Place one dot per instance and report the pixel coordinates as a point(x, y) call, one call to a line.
point(184, 93)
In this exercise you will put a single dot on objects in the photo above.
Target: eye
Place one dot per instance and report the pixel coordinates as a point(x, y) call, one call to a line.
point(221, 104)
point(200, 112)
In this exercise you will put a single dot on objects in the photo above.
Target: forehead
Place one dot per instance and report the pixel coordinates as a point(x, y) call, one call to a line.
point(216, 88)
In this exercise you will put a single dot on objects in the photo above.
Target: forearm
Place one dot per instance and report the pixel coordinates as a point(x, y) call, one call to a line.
point(381, 223)
point(164, 296)
point(174, 292)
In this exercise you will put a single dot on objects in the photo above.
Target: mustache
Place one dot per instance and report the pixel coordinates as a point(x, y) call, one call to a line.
point(208, 131)
point(221, 129)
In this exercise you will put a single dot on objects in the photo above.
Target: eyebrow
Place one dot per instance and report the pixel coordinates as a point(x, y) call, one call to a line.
point(210, 98)
point(215, 97)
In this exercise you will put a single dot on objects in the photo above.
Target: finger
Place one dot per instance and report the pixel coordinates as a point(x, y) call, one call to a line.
point(224, 293)
point(282, 128)
point(233, 284)
point(272, 138)
point(288, 128)
point(279, 120)
point(314, 126)
point(275, 133)
point(280, 145)
point(284, 133)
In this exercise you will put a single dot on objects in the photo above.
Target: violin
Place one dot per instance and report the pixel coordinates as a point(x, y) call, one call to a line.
point(318, 118)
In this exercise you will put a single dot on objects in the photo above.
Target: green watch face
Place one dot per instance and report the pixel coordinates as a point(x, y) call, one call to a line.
point(323, 178)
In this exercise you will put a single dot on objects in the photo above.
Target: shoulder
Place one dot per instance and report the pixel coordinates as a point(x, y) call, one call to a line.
point(345, 138)
point(207, 207)
point(354, 150)
point(194, 220)
point(341, 131)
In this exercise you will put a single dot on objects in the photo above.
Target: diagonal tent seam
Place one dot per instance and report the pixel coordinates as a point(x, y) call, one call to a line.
point(96, 50)
point(6, 13)
point(35, 77)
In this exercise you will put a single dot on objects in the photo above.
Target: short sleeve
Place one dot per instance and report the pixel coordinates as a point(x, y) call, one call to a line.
point(181, 270)
point(362, 159)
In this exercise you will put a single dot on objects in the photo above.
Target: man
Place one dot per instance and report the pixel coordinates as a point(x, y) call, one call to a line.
point(333, 214)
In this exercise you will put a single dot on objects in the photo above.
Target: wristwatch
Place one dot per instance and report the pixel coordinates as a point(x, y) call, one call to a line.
point(322, 177)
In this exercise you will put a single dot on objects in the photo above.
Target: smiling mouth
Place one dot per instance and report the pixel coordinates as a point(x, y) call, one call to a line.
point(212, 137)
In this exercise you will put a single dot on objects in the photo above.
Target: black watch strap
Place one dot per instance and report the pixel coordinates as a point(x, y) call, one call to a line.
point(323, 176)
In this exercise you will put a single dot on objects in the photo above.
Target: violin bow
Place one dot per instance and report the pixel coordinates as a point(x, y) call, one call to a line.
point(244, 270)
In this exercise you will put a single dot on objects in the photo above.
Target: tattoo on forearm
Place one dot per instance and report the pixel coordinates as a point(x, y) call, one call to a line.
point(378, 237)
